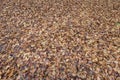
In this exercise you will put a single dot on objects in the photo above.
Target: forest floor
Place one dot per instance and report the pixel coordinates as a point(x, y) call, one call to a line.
point(59, 39)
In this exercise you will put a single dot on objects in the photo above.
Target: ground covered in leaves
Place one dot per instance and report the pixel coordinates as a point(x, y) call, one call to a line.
point(59, 39)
